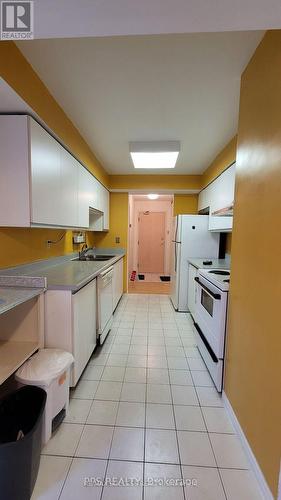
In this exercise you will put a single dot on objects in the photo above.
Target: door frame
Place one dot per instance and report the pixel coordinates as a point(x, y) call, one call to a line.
point(165, 237)
point(131, 254)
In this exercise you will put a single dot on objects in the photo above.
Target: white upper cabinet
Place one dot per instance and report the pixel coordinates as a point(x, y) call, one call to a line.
point(105, 207)
point(217, 196)
point(45, 176)
point(69, 179)
point(204, 198)
point(222, 198)
point(84, 194)
point(99, 221)
point(94, 193)
point(223, 193)
point(41, 183)
point(14, 172)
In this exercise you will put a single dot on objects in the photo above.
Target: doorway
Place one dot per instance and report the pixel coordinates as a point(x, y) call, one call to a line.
point(151, 242)
point(150, 224)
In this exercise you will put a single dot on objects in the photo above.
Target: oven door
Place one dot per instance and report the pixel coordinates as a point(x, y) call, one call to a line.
point(210, 314)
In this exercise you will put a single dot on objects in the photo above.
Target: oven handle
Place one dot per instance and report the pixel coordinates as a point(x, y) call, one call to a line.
point(216, 296)
point(207, 345)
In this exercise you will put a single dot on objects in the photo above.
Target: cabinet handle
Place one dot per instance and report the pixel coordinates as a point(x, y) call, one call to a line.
point(216, 296)
point(206, 343)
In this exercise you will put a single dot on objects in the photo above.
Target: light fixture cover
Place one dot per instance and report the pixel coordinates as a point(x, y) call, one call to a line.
point(154, 154)
point(153, 196)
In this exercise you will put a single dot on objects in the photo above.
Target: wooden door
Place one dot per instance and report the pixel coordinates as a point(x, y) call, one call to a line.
point(151, 242)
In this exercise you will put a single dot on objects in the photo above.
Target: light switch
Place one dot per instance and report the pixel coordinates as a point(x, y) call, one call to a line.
point(117, 239)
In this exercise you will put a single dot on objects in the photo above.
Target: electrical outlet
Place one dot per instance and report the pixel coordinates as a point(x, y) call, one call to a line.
point(117, 239)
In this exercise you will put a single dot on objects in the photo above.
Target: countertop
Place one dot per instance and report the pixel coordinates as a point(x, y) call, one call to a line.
point(216, 263)
point(11, 297)
point(64, 273)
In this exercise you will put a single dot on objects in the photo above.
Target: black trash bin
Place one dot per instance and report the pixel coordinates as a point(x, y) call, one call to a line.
point(21, 415)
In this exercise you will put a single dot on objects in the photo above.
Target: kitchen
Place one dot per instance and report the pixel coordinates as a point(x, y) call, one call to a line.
point(157, 389)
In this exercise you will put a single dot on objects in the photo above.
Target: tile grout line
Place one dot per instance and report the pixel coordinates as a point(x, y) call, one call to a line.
point(176, 434)
point(210, 442)
point(112, 437)
point(73, 457)
point(145, 416)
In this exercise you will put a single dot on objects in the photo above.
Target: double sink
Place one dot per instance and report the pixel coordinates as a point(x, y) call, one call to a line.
point(95, 258)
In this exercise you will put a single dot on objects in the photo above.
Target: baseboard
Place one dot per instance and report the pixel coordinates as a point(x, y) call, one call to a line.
point(279, 486)
point(248, 450)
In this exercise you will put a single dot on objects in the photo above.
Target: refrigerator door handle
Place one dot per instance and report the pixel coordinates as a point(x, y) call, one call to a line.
point(177, 226)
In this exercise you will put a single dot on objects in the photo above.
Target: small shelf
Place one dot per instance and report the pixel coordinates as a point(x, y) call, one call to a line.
point(13, 354)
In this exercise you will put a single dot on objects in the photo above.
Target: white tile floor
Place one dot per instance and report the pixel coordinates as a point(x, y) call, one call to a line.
point(146, 408)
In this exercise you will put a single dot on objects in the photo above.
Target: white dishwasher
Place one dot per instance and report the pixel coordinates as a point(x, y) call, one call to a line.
point(105, 303)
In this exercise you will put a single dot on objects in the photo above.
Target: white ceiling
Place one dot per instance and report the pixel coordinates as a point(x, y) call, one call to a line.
point(80, 18)
point(143, 88)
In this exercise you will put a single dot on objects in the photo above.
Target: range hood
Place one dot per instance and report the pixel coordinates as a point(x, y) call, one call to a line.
point(224, 212)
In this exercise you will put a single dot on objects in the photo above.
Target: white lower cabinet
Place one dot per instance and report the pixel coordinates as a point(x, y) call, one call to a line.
point(117, 282)
point(71, 324)
point(192, 273)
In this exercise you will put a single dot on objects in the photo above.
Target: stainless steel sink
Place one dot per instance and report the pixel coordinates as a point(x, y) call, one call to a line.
point(96, 258)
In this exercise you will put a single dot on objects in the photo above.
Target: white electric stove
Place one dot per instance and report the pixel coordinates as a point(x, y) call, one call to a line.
point(212, 286)
point(219, 277)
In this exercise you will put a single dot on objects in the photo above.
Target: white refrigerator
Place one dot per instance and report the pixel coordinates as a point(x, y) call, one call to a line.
point(190, 239)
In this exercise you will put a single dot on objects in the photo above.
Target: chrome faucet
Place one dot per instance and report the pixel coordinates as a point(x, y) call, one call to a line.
point(83, 250)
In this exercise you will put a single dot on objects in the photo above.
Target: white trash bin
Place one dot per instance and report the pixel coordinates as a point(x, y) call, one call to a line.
point(50, 370)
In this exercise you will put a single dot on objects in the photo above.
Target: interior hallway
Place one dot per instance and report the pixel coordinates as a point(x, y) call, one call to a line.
point(146, 408)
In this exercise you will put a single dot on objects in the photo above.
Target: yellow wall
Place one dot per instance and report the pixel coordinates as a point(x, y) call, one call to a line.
point(21, 245)
point(225, 158)
point(118, 220)
point(155, 182)
point(185, 204)
point(254, 340)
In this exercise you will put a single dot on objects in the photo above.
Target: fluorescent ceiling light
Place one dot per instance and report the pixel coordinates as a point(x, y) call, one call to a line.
point(157, 154)
point(153, 196)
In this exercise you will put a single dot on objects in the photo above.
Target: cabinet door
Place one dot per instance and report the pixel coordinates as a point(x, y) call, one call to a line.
point(45, 177)
point(204, 198)
point(192, 272)
point(84, 195)
point(106, 209)
point(14, 171)
point(69, 189)
point(84, 327)
point(117, 282)
point(101, 204)
point(222, 196)
point(94, 193)
point(224, 193)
